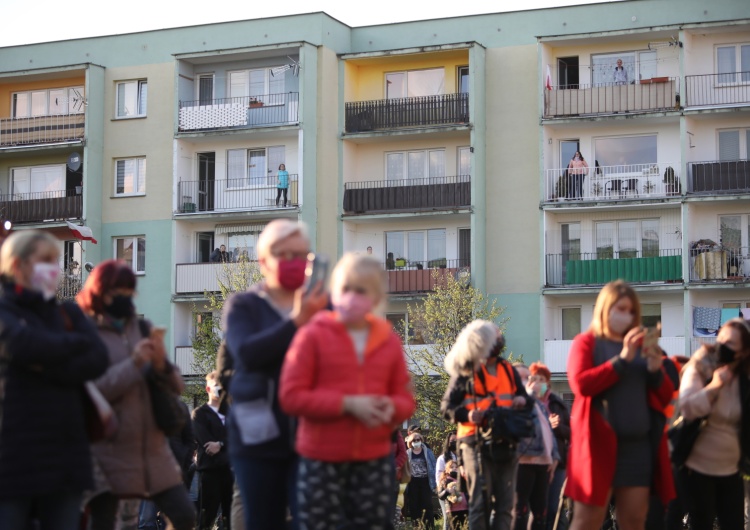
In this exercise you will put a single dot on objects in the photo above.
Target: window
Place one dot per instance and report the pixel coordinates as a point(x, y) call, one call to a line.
point(254, 167)
point(399, 321)
point(243, 245)
point(205, 89)
point(463, 79)
point(734, 145)
point(415, 164)
point(650, 314)
point(132, 250)
point(415, 83)
point(418, 249)
point(730, 231)
point(570, 234)
point(49, 102)
point(464, 161)
point(625, 150)
point(627, 239)
point(37, 180)
point(638, 66)
point(571, 322)
point(130, 176)
point(259, 84)
point(131, 99)
point(733, 63)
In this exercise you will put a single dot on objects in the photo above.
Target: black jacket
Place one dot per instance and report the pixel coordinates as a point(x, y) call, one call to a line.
point(562, 433)
point(208, 428)
point(44, 447)
point(183, 444)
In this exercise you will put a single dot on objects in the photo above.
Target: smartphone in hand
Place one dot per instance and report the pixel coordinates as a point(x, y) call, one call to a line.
point(316, 271)
point(651, 340)
point(158, 332)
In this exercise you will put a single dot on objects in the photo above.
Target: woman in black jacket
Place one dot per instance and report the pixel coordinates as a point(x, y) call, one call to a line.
point(47, 351)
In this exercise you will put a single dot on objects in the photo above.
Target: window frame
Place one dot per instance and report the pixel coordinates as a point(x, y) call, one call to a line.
point(405, 164)
point(737, 73)
point(134, 241)
point(139, 83)
point(639, 237)
point(743, 133)
point(138, 176)
point(406, 82)
point(267, 97)
point(425, 247)
point(562, 310)
point(205, 75)
point(270, 177)
point(11, 179)
point(68, 89)
point(618, 138)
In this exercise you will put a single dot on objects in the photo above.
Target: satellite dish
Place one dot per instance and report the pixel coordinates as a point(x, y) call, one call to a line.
point(74, 162)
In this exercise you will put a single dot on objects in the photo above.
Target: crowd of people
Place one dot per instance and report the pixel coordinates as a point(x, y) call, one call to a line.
point(302, 425)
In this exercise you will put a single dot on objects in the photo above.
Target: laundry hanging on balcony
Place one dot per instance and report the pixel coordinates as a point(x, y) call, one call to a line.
point(83, 233)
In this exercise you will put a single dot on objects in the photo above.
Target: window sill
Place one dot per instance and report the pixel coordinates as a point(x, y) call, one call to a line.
point(127, 195)
point(125, 118)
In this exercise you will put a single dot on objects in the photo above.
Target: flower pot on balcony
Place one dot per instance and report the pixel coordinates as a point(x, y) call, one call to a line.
point(255, 104)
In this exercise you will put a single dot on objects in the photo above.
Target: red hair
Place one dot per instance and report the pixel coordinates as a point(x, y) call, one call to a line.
point(538, 368)
point(107, 276)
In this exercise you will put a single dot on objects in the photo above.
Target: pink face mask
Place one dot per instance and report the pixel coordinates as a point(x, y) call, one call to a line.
point(351, 306)
point(291, 273)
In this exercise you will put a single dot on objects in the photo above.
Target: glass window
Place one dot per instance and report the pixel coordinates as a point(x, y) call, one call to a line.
point(729, 145)
point(39, 103)
point(603, 67)
point(627, 245)
point(418, 248)
point(46, 180)
point(256, 167)
point(130, 176)
point(464, 160)
point(394, 166)
point(725, 63)
point(571, 241)
point(425, 82)
point(394, 247)
point(627, 150)
point(20, 105)
point(243, 244)
point(205, 89)
point(437, 164)
point(571, 322)
point(745, 62)
point(132, 250)
point(416, 168)
point(730, 231)
point(605, 248)
point(415, 165)
point(436, 255)
point(58, 101)
point(415, 248)
point(131, 99)
point(650, 314)
point(463, 79)
point(650, 238)
point(395, 85)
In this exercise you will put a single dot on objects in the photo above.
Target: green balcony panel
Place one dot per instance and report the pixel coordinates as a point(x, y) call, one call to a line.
point(635, 270)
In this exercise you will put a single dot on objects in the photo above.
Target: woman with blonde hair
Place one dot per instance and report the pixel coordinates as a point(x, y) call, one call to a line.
point(618, 444)
point(711, 475)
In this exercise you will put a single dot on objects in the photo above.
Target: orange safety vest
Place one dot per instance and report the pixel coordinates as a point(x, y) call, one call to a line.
point(494, 385)
point(669, 409)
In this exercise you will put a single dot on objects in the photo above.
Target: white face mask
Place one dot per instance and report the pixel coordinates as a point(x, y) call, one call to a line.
point(416, 445)
point(619, 321)
point(45, 279)
point(216, 391)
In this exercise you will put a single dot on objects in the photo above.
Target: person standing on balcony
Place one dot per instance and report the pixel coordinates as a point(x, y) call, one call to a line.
point(259, 326)
point(578, 168)
point(618, 444)
point(220, 255)
point(283, 184)
point(620, 76)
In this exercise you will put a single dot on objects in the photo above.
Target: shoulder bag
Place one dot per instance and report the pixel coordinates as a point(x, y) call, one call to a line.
point(682, 435)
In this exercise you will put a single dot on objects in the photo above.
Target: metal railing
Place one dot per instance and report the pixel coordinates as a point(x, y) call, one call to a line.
point(598, 268)
point(199, 278)
point(407, 194)
point(42, 206)
point(717, 89)
point(697, 342)
point(242, 112)
point(41, 129)
point(716, 177)
point(409, 276)
point(711, 264)
point(183, 358)
point(653, 95)
point(71, 282)
point(556, 351)
point(197, 196)
point(605, 183)
point(445, 109)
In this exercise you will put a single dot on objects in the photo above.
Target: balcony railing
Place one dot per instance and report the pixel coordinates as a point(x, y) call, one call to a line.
point(41, 129)
point(697, 342)
point(577, 269)
point(719, 178)
point(239, 113)
point(199, 278)
point(407, 195)
point(658, 94)
point(556, 351)
point(721, 265)
point(614, 183)
point(717, 89)
point(43, 206)
point(200, 196)
point(413, 277)
point(446, 109)
point(183, 356)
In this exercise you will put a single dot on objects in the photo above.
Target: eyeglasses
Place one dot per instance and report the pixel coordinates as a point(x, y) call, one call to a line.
point(287, 255)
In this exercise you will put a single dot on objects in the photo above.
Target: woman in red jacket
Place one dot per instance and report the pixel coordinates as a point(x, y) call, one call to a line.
point(345, 377)
point(618, 444)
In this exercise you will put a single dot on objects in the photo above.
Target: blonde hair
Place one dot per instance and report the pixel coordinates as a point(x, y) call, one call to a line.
point(364, 266)
point(212, 376)
point(278, 230)
point(21, 245)
point(610, 294)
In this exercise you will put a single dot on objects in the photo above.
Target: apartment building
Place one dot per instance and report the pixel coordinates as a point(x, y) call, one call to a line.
point(441, 144)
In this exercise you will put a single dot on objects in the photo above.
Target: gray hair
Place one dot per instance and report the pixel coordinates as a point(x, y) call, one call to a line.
point(278, 230)
point(473, 345)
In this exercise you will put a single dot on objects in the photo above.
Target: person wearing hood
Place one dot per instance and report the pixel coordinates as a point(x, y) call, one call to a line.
point(480, 377)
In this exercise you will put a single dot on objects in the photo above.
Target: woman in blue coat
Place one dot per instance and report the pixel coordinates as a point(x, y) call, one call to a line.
point(283, 184)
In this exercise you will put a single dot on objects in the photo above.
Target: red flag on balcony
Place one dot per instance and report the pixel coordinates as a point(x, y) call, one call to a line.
point(548, 83)
point(82, 232)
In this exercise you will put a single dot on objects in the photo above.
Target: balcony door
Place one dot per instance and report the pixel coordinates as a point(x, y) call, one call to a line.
point(571, 322)
point(205, 89)
point(206, 181)
point(464, 162)
point(276, 157)
point(464, 247)
point(570, 247)
point(568, 148)
point(205, 241)
point(567, 72)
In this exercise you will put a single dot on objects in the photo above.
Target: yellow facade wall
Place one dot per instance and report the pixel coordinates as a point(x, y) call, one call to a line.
point(7, 90)
point(365, 78)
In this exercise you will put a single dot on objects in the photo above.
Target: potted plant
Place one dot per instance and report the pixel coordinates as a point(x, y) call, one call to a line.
point(561, 188)
point(255, 103)
point(649, 187)
point(597, 188)
point(672, 182)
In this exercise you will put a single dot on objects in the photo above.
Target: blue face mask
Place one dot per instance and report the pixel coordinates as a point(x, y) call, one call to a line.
point(543, 387)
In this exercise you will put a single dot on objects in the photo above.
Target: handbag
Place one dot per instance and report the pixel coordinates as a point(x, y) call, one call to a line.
point(505, 424)
point(682, 435)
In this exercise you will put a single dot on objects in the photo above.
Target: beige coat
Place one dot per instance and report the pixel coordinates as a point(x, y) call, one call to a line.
point(137, 461)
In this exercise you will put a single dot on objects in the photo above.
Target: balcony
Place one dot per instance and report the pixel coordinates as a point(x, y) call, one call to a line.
point(199, 278)
point(36, 130)
point(183, 358)
point(556, 351)
point(21, 208)
point(717, 89)
point(424, 111)
point(652, 95)
point(421, 277)
point(718, 178)
point(614, 183)
point(719, 265)
point(407, 195)
point(269, 110)
point(206, 196)
point(584, 269)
